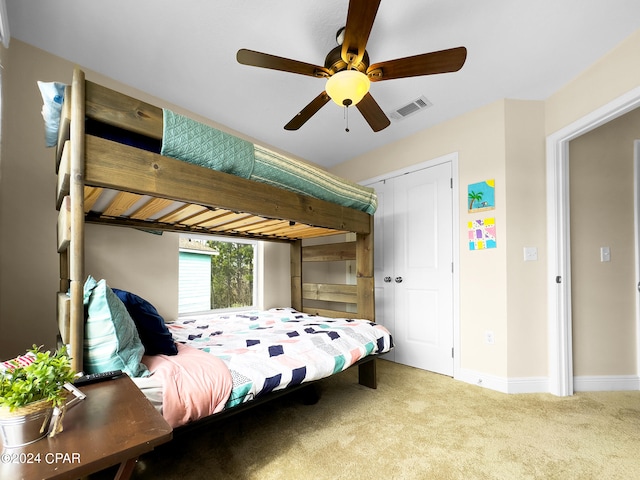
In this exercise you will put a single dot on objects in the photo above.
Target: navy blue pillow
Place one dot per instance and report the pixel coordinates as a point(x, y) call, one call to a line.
point(154, 334)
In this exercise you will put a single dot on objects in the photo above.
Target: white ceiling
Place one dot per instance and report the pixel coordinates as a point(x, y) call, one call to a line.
point(184, 52)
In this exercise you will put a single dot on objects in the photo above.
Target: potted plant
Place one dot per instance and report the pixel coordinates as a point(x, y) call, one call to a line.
point(31, 387)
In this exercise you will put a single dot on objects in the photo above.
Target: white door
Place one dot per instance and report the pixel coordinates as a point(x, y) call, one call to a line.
point(414, 279)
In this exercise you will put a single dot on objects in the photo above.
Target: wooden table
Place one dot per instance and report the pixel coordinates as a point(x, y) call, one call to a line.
point(115, 424)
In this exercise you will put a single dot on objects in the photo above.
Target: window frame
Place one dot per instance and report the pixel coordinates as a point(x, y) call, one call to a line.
point(257, 269)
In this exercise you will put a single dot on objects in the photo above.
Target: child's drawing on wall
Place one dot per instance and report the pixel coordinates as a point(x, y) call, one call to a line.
point(481, 196)
point(482, 234)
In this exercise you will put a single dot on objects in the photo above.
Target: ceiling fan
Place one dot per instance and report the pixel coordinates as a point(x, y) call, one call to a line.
point(348, 70)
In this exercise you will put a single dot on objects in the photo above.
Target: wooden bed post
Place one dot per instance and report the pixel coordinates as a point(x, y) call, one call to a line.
point(76, 246)
point(367, 374)
point(296, 275)
point(364, 274)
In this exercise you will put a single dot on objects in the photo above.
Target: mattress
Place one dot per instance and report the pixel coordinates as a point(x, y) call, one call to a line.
point(271, 350)
point(194, 142)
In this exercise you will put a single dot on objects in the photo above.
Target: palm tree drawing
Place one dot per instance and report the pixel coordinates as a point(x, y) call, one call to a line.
point(474, 197)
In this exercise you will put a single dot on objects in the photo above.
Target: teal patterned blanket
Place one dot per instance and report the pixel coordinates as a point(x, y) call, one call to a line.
point(279, 348)
point(194, 142)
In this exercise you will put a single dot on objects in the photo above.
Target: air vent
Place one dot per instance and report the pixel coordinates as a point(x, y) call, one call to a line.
point(411, 108)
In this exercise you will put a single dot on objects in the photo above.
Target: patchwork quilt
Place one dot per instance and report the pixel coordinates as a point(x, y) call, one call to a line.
point(279, 348)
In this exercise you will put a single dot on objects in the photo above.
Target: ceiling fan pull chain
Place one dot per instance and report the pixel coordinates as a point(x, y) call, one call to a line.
point(346, 117)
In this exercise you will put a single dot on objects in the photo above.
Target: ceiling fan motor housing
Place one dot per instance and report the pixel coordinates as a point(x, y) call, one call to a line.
point(334, 62)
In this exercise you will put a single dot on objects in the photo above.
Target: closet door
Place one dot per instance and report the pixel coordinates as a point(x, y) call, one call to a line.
point(414, 279)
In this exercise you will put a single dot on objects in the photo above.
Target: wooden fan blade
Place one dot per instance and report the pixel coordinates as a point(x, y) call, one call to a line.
point(265, 60)
point(372, 113)
point(307, 112)
point(444, 61)
point(360, 19)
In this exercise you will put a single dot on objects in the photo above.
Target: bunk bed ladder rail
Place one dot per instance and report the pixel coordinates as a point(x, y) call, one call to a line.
point(70, 203)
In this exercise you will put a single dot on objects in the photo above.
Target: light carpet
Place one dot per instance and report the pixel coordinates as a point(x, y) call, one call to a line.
point(416, 425)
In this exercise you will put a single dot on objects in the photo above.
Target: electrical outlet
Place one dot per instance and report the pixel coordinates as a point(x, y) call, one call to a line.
point(530, 254)
point(489, 337)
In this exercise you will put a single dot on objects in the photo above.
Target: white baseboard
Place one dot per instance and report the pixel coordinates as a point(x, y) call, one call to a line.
point(608, 383)
point(502, 384)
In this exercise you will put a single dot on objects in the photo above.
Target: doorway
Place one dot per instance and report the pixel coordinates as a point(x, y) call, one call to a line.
point(560, 346)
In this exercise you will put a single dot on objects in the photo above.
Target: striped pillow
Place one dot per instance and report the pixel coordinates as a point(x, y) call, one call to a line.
point(111, 341)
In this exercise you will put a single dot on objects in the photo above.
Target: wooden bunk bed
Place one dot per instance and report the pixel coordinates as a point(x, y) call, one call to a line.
point(207, 202)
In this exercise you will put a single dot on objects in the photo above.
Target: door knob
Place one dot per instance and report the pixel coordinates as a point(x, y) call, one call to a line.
point(387, 279)
point(398, 279)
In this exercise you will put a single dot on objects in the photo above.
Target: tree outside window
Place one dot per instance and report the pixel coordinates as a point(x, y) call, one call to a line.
point(215, 274)
point(231, 275)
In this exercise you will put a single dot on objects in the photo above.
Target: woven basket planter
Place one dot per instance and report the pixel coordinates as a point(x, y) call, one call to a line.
point(25, 425)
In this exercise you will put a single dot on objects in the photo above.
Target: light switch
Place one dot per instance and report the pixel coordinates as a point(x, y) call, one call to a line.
point(530, 254)
point(605, 254)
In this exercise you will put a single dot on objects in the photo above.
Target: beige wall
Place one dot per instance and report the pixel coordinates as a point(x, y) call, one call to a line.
point(503, 141)
point(526, 217)
point(612, 76)
point(137, 261)
point(28, 263)
point(603, 293)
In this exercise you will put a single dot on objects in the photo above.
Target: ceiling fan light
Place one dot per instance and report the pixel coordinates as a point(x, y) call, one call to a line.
point(347, 87)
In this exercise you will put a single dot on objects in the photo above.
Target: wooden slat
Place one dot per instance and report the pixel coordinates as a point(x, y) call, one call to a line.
point(122, 202)
point(165, 227)
point(257, 227)
point(297, 231)
point(182, 213)
point(329, 292)
point(219, 217)
point(151, 208)
point(200, 218)
point(64, 271)
point(64, 318)
point(112, 165)
point(365, 275)
point(91, 195)
point(296, 275)
point(117, 109)
point(284, 229)
point(329, 252)
point(323, 312)
point(64, 224)
point(241, 221)
point(315, 232)
point(275, 227)
point(223, 218)
point(64, 171)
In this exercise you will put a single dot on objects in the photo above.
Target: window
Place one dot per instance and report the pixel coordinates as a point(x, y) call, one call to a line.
point(216, 274)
